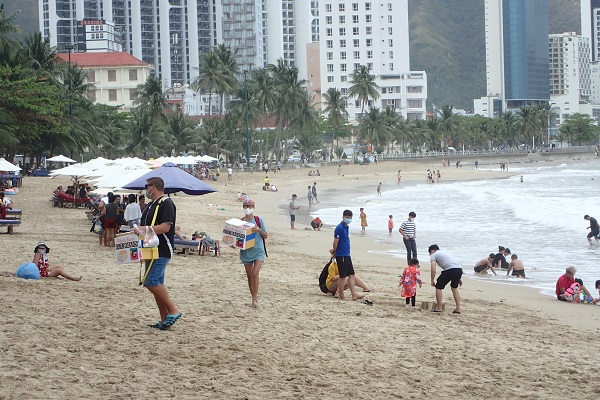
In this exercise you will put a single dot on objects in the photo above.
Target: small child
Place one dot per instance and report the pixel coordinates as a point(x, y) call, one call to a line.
point(572, 293)
point(41, 260)
point(410, 277)
point(391, 224)
point(595, 301)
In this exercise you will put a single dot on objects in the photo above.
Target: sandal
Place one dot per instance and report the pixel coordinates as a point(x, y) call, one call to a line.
point(157, 325)
point(436, 310)
point(455, 312)
point(170, 320)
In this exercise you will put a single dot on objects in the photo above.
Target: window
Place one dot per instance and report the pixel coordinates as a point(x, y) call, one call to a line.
point(342, 31)
point(112, 95)
point(369, 30)
point(329, 44)
point(389, 6)
point(330, 55)
point(391, 66)
point(342, 19)
point(343, 67)
point(329, 32)
point(344, 91)
point(342, 55)
point(342, 7)
point(369, 18)
point(343, 43)
point(133, 75)
point(391, 42)
point(391, 54)
point(329, 78)
point(356, 66)
point(329, 20)
point(327, 7)
point(355, 19)
point(354, 6)
point(356, 31)
point(390, 19)
point(390, 30)
point(368, 6)
point(414, 103)
point(132, 94)
point(112, 75)
point(356, 103)
point(370, 66)
point(343, 78)
point(356, 42)
point(356, 55)
point(91, 95)
point(369, 42)
point(91, 76)
point(329, 67)
point(369, 53)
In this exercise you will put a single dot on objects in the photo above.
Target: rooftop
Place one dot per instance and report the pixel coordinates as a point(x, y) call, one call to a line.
point(105, 59)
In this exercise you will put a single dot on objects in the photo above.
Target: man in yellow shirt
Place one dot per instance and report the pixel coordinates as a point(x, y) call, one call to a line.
point(333, 277)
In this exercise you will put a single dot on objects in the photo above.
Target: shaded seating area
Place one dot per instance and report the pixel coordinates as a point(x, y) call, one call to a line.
point(64, 200)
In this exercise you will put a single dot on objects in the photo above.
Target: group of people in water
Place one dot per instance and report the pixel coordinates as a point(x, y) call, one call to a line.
point(498, 261)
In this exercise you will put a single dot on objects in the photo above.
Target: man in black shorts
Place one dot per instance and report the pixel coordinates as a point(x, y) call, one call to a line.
point(594, 228)
point(483, 265)
point(341, 251)
point(452, 272)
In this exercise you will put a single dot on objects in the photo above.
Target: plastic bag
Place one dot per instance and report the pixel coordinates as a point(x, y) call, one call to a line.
point(97, 228)
point(150, 239)
point(28, 271)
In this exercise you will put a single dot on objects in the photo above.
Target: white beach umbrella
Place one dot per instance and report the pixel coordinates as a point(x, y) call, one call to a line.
point(117, 179)
point(7, 166)
point(206, 159)
point(75, 170)
point(61, 158)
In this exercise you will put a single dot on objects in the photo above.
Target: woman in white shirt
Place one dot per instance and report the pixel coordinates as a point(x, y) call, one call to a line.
point(133, 213)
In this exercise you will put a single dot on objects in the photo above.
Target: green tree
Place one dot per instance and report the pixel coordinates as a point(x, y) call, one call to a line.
point(363, 86)
point(529, 122)
point(335, 108)
point(181, 131)
point(373, 128)
point(580, 129)
point(262, 93)
point(448, 125)
point(229, 69)
point(151, 99)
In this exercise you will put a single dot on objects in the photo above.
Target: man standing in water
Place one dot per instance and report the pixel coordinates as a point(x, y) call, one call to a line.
point(594, 228)
point(341, 251)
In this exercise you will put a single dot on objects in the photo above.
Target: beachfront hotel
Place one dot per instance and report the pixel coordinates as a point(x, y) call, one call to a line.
point(516, 46)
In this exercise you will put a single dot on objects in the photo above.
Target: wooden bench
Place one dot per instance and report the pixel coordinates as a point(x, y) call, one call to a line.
point(12, 218)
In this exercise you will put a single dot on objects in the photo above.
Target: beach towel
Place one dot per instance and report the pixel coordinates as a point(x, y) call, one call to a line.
point(28, 271)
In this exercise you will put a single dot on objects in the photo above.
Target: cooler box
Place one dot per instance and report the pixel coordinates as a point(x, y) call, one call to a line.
point(238, 233)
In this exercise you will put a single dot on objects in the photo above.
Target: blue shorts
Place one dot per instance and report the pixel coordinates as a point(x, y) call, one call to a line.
point(156, 276)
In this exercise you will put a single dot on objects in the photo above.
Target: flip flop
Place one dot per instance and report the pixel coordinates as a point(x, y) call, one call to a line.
point(368, 291)
point(170, 320)
point(436, 310)
point(368, 302)
point(455, 312)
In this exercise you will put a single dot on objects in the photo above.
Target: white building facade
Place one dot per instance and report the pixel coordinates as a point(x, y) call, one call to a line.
point(374, 34)
point(590, 25)
point(97, 36)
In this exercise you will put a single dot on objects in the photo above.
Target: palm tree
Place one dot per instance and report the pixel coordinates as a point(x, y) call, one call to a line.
point(146, 139)
point(363, 86)
point(151, 99)
point(336, 110)
point(228, 81)
point(181, 129)
point(373, 128)
point(433, 126)
point(529, 122)
point(508, 127)
point(262, 88)
point(212, 77)
point(40, 56)
point(7, 28)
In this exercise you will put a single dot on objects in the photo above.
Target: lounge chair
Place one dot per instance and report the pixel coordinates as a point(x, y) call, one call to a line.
point(186, 245)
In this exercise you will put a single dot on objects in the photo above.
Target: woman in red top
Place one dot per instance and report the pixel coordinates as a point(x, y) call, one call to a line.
point(41, 260)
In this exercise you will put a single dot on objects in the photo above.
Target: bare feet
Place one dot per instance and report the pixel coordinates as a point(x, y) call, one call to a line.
point(77, 279)
point(255, 303)
point(358, 297)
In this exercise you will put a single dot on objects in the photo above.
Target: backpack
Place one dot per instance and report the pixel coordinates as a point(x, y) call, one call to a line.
point(323, 277)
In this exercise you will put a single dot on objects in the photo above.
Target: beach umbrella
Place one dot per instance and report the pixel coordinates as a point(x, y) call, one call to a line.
point(75, 170)
point(61, 158)
point(206, 159)
point(7, 166)
point(176, 180)
point(117, 179)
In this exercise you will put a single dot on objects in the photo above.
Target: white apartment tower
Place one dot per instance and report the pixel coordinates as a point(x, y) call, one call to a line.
point(169, 35)
point(590, 25)
point(375, 34)
point(242, 23)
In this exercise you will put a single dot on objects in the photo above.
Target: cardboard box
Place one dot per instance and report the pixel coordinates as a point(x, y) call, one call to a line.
point(238, 233)
point(126, 248)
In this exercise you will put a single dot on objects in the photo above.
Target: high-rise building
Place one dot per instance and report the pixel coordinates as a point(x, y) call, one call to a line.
point(516, 38)
point(373, 34)
point(590, 25)
point(570, 74)
point(170, 36)
point(243, 31)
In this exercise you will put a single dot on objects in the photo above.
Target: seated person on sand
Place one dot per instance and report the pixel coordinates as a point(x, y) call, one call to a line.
point(596, 301)
point(316, 224)
point(516, 266)
point(483, 265)
point(40, 259)
point(565, 282)
point(333, 277)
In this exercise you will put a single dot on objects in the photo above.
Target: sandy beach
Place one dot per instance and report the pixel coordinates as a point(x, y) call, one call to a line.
point(90, 339)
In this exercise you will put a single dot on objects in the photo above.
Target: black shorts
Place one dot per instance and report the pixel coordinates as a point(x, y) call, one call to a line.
point(479, 268)
point(345, 266)
point(450, 275)
point(292, 218)
point(593, 233)
point(519, 273)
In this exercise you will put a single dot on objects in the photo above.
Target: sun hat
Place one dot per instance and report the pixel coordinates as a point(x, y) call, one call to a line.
point(42, 244)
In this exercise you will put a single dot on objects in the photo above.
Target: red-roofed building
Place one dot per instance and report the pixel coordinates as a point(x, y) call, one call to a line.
point(115, 76)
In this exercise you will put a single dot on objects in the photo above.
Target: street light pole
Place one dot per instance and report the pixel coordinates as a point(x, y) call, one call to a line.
point(247, 132)
point(69, 48)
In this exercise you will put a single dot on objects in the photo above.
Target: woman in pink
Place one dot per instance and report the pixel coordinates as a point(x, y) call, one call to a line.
point(41, 260)
point(408, 282)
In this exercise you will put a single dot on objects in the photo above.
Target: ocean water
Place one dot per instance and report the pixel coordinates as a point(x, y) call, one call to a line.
point(539, 219)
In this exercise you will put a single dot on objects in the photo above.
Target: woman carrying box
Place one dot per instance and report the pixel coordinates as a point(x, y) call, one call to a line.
point(254, 257)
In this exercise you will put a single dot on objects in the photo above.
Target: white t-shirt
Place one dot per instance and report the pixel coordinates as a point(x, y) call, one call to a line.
point(132, 212)
point(445, 260)
point(230, 171)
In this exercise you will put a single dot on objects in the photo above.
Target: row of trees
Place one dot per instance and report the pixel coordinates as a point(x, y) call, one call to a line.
point(44, 109)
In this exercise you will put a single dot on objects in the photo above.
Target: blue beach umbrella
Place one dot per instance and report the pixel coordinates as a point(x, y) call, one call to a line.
point(176, 180)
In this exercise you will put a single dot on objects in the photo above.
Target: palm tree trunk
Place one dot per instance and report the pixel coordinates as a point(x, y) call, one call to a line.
point(209, 102)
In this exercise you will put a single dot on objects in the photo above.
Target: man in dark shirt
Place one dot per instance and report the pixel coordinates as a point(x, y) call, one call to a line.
point(161, 215)
point(594, 229)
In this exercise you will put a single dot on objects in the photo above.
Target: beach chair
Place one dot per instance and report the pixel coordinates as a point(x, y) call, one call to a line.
point(186, 245)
